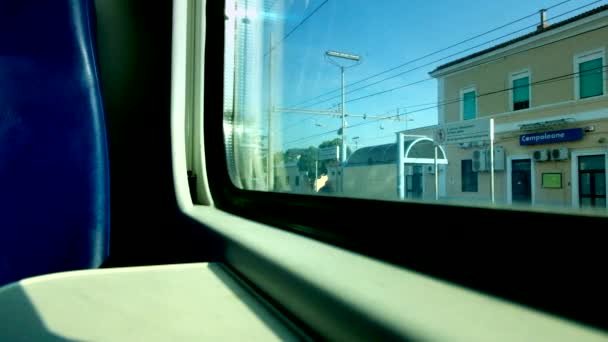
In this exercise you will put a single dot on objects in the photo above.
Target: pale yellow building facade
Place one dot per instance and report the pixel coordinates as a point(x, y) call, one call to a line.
point(546, 92)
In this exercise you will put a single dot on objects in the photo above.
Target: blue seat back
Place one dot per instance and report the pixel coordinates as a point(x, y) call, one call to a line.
point(54, 191)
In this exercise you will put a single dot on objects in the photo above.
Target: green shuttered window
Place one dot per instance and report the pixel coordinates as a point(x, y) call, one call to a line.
point(521, 93)
point(591, 81)
point(469, 105)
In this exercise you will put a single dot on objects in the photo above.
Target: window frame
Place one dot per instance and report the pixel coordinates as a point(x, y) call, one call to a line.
point(583, 57)
point(513, 76)
point(333, 221)
point(464, 91)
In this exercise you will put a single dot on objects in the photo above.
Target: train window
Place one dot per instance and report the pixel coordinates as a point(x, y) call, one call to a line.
point(393, 150)
point(312, 87)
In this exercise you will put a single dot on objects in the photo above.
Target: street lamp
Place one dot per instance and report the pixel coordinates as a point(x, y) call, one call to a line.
point(350, 57)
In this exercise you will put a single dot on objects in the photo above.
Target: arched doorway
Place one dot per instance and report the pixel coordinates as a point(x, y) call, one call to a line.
point(415, 155)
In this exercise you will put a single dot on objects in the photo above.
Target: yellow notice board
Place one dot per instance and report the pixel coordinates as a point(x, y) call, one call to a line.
point(552, 180)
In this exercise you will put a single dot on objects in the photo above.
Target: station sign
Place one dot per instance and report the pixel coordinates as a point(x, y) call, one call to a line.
point(551, 137)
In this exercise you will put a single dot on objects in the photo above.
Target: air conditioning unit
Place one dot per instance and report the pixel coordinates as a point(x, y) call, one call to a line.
point(540, 155)
point(480, 160)
point(559, 153)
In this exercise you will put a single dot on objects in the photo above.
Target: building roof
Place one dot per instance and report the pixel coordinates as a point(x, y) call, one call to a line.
point(379, 154)
point(417, 150)
point(524, 37)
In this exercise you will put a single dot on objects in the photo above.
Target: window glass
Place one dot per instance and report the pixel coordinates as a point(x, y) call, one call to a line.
point(600, 183)
point(591, 79)
point(469, 101)
point(521, 93)
point(400, 101)
point(588, 163)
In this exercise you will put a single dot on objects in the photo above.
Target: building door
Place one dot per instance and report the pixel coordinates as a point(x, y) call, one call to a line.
point(592, 181)
point(521, 181)
point(414, 183)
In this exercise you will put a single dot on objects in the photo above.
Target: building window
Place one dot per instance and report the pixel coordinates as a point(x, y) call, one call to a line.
point(520, 90)
point(297, 180)
point(591, 79)
point(469, 104)
point(469, 178)
point(589, 68)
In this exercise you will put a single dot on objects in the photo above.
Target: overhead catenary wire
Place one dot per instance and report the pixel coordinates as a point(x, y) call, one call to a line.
point(445, 103)
point(295, 28)
point(296, 124)
point(457, 100)
point(404, 107)
point(564, 77)
point(375, 138)
point(442, 59)
point(540, 82)
point(478, 64)
point(473, 66)
point(432, 53)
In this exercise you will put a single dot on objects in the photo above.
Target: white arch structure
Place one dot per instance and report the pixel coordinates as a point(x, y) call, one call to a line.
point(403, 157)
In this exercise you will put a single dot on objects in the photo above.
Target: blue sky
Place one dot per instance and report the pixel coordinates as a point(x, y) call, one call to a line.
point(385, 34)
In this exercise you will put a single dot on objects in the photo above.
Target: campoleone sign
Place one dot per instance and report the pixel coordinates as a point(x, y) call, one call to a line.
point(571, 134)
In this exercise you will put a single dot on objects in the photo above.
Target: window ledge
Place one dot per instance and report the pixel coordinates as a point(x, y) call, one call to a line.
point(346, 296)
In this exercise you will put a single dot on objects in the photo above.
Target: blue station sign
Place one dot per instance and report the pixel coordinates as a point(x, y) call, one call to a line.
point(551, 137)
